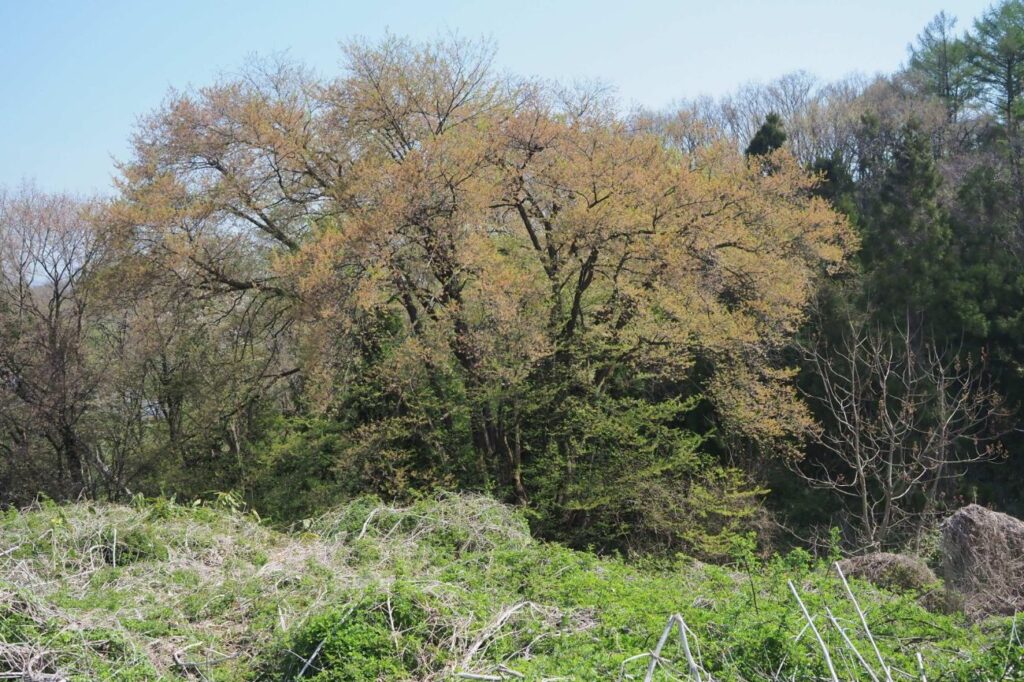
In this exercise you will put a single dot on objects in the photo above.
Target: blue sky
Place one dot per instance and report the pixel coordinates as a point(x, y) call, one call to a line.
point(76, 74)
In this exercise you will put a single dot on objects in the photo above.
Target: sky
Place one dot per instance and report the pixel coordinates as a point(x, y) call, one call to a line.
point(75, 75)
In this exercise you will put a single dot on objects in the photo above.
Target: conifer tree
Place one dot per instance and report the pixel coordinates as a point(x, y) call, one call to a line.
point(940, 62)
point(906, 250)
point(769, 137)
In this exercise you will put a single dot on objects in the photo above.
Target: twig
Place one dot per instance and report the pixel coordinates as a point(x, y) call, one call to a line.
point(491, 629)
point(309, 661)
point(678, 621)
point(694, 669)
point(366, 523)
point(850, 644)
point(505, 670)
point(316, 652)
point(188, 667)
point(817, 635)
point(622, 666)
point(656, 654)
point(864, 623)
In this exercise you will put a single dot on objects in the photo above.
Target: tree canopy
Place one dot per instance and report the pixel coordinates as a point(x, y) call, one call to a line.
point(422, 274)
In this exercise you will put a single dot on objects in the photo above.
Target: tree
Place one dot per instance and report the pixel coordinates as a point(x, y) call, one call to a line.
point(769, 137)
point(548, 255)
point(997, 56)
point(48, 254)
point(941, 60)
point(458, 259)
point(837, 184)
point(907, 239)
point(818, 116)
point(189, 382)
point(900, 420)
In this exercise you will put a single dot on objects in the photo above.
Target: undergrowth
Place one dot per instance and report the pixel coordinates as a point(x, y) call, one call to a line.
point(437, 590)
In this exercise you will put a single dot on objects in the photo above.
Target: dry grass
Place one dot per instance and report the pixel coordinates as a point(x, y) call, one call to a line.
point(179, 591)
point(449, 588)
point(983, 556)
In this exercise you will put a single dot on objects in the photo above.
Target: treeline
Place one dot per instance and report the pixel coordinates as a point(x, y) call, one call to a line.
point(423, 274)
point(911, 360)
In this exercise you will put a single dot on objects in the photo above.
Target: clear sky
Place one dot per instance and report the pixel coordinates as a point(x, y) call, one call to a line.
point(76, 74)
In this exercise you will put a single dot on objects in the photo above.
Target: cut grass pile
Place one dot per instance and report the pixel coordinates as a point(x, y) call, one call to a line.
point(444, 589)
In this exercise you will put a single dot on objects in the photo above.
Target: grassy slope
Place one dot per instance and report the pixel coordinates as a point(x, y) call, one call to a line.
point(159, 591)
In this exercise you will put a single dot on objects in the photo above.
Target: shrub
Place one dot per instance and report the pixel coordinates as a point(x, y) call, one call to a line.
point(381, 634)
point(131, 545)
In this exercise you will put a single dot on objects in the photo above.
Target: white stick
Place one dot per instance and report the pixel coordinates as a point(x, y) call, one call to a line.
point(366, 523)
point(656, 654)
point(850, 644)
point(491, 629)
point(694, 668)
point(817, 635)
point(864, 623)
point(622, 666)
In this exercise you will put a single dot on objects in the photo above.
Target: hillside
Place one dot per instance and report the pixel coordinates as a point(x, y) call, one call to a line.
point(444, 589)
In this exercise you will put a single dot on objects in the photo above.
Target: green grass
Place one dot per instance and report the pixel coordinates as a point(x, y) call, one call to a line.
point(157, 591)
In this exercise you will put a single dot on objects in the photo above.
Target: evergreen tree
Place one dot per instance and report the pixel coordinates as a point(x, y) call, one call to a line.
point(940, 63)
point(906, 240)
point(988, 300)
point(989, 297)
point(837, 184)
point(997, 56)
point(769, 137)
